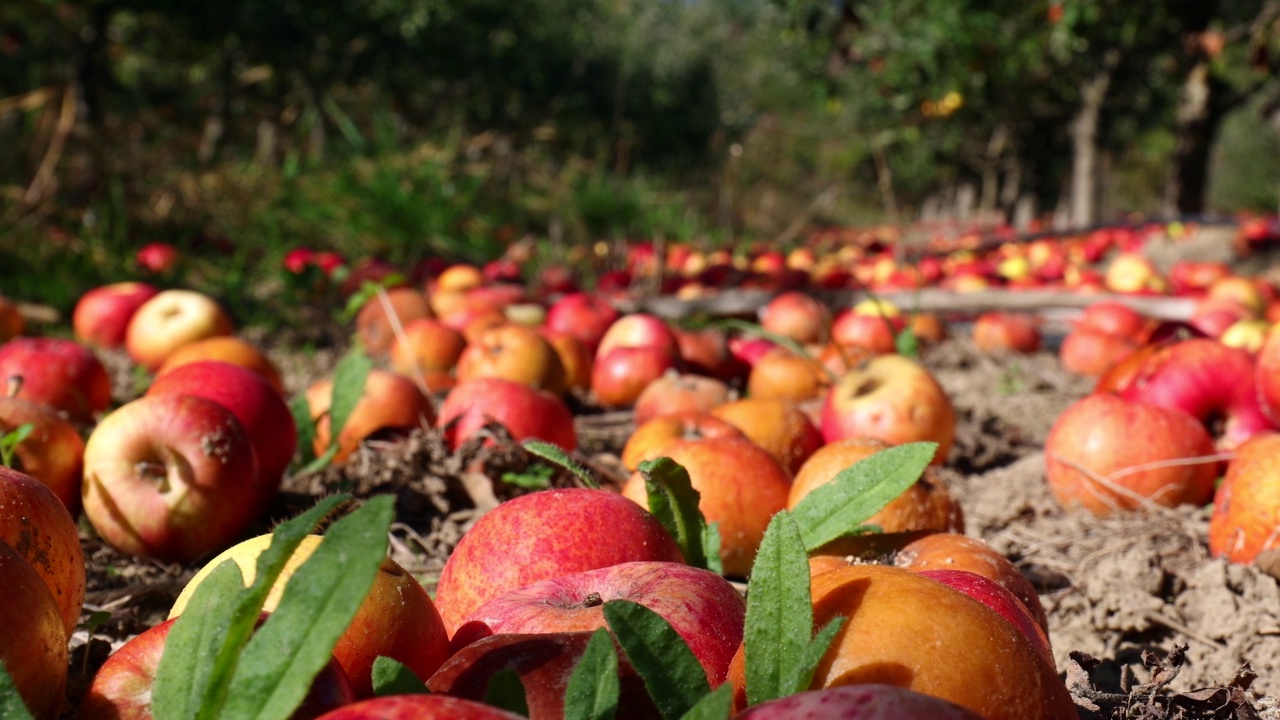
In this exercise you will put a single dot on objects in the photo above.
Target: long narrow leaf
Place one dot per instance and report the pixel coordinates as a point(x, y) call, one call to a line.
point(11, 705)
point(301, 411)
point(594, 686)
point(674, 677)
point(297, 640)
point(556, 454)
point(716, 705)
point(839, 507)
point(348, 386)
point(779, 621)
point(674, 501)
point(803, 673)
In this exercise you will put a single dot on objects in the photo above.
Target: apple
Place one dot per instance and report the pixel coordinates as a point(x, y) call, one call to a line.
point(702, 607)
point(798, 316)
point(891, 398)
point(524, 411)
point(459, 277)
point(168, 321)
point(741, 486)
point(1189, 277)
point(926, 505)
point(261, 410)
point(748, 350)
point(912, 632)
point(1006, 332)
point(397, 618)
point(867, 329)
point(171, 477)
point(993, 595)
point(652, 439)
point(1133, 272)
point(513, 352)
point(542, 535)
point(12, 323)
point(376, 329)
point(784, 375)
point(1105, 454)
point(676, 393)
point(419, 707)
point(620, 375)
point(778, 426)
point(574, 356)
point(640, 330)
point(122, 687)
point(33, 647)
point(370, 270)
point(227, 349)
point(390, 404)
point(544, 661)
point(586, 317)
point(1213, 317)
point(52, 453)
point(157, 257)
point(1246, 506)
point(1267, 375)
point(858, 702)
point(101, 316)
point(34, 522)
point(706, 352)
point(62, 374)
point(427, 345)
point(1085, 351)
point(1239, 290)
point(928, 327)
point(1247, 334)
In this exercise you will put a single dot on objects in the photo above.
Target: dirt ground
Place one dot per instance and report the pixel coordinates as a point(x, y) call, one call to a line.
point(1118, 590)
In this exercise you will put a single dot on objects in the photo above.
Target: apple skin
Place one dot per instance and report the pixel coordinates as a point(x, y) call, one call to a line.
point(544, 662)
point(228, 349)
point(419, 707)
point(1006, 332)
point(703, 608)
point(858, 702)
point(525, 411)
point(101, 316)
point(797, 315)
point(1108, 435)
point(54, 451)
point(1085, 351)
point(1246, 505)
point(1114, 318)
point(389, 403)
point(993, 595)
point(121, 689)
point(856, 328)
point(912, 632)
point(779, 426)
point(541, 535)
point(640, 330)
point(397, 618)
point(157, 257)
point(652, 439)
point(33, 647)
point(890, 398)
point(676, 393)
point(1267, 375)
point(782, 374)
point(171, 477)
point(574, 356)
point(62, 374)
point(34, 522)
point(513, 352)
point(584, 316)
point(706, 352)
point(428, 345)
point(261, 410)
point(374, 328)
point(620, 375)
point(741, 486)
point(170, 320)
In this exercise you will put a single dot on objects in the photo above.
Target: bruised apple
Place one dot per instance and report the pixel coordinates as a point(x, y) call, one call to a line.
point(1246, 506)
point(389, 404)
point(62, 374)
point(33, 646)
point(34, 522)
point(891, 398)
point(779, 426)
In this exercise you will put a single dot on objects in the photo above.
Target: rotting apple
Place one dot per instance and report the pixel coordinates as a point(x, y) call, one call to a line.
point(33, 647)
point(779, 426)
point(171, 477)
point(701, 606)
point(168, 321)
point(389, 404)
point(541, 535)
point(101, 316)
point(62, 374)
point(652, 439)
point(1246, 505)
point(34, 522)
point(52, 453)
point(524, 411)
point(891, 398)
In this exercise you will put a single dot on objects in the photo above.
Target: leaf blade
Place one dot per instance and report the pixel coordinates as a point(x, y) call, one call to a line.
point(674, 677)
point(674, 502)
point(594, 686)
point(779, 622)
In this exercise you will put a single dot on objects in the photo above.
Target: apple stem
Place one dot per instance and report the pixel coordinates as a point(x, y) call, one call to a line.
point(592, 600)
point(15, 385)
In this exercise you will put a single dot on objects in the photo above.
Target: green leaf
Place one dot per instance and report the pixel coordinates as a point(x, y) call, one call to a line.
point(506, 691)
point(715, 705)
point(556, 454)
point(535, 477)
point(301, 411)
point(813, 652)
point(392, 677)
point(94, 621)
point(674, 501)
point(779, 621)
point(10, 441)
point(11, 705)
point(674, 677)
point(906, 343)
point(211, 633)
point(297, 640)
point(839, 507)
point(711, 547)
point(594, 687)
point(348, 387)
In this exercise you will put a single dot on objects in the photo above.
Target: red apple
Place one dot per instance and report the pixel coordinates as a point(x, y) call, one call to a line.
point(516, 353)
point(34, 522)
point(703, 608)
point(858, 702)
point(543, 535)
point(397, 618)
point(1267, 375)
point(526, 412)
point(101, 316)
point(748, 350)
point(586, 317)
point(1091, 352)
point(157, 257)
point(261, 410)
point(652, 439)
point(33, 646)
point(52, 453)
point(706, 352)
point(168, 321)
point(891, 398)
point(1006, 332)
point(861, 329)
point(62, 374)
point(993, 595)
point(419, 707)
point(390, 404)
point(428, 345)
point(171, 477)
point(1246, 506)
point(675, 393)
point(798, 316)
point(227, 349)
point(122, 687)
point(640, 330)
point(1105, 454)
point(620, 375)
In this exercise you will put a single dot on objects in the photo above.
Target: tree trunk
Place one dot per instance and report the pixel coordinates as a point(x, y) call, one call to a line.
point(1201, 107)
point(1084, 149)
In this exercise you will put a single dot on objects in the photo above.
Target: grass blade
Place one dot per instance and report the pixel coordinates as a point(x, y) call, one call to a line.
point(779, 621)
point(674, 677)
point(839, 507)
point(594, 687)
